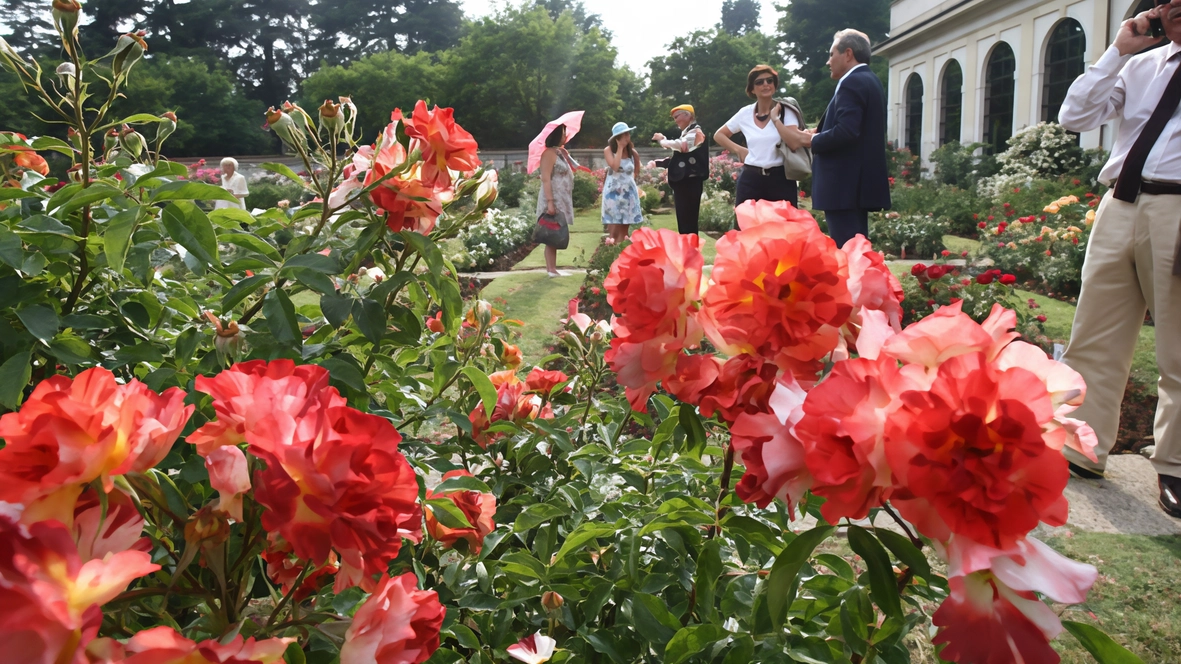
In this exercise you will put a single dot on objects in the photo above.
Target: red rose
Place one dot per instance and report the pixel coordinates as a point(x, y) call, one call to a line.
point(544, 382)
point(990, 217)
point(1041, 318)
point(477, 507)
point(397, 624)
point(984, 279)
point(918, 269)
point(983, 224)
point(936, 271)
point(945, 253)
point(1008, 279)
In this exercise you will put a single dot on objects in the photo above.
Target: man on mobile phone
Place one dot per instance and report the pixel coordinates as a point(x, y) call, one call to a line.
point(1133, 262)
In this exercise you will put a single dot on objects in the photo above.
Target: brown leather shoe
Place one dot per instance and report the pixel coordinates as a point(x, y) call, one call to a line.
point(1170, 495)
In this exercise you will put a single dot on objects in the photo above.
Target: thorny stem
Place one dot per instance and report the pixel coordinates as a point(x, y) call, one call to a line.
point(727, 469)
point(918, 544)
point(286, 598)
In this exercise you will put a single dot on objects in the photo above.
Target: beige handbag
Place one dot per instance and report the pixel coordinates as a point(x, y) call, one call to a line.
point(797, 164)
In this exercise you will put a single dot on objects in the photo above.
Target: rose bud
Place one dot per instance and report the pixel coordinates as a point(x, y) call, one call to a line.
point(330, 117)
point(282, 124)
point(128, 51)
point(65, 73)
point(65, 16)
point(166, 126)
point(131, 141)
point(207, 528)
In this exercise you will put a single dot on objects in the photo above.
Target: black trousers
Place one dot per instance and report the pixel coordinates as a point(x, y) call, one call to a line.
point(687, 199)
point(766, 184)
point(844, 225)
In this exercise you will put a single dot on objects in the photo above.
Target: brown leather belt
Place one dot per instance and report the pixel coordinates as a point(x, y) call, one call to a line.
point(1160, 188)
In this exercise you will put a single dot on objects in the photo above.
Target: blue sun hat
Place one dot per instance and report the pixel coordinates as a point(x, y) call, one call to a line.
point(621, 128)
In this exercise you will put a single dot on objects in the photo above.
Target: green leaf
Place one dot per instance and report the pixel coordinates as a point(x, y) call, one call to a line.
point(191, 191)
point(117, 238)
point(427, 249)
point(189, 226)
point(314, 280)
point(141, 352)
point(781, 582)
point(370, 319)
point(905, 551)
point(345, 372)
point(336, 308)
point(14, 376)
point(522, 564)
point(652, 619)
point(232, 218)
point(241, 290)
point(689, 641)
point(70, 349)
point(582, 535)
point(407, 326)
point(461, 483)
point(537, 514)
point(12, 251)
point(40, 320)
point(251, 242)
point(483, 387)
point(285, 171)
point(1100, 645)
point(12, 193)
point(317, 262)
point(294, 654)
point(41, 223)
point(709, 570)
point(51, 143)
point(86, 196)
point(694, 431)
point(280, 315)
point(186, 344)
point(883, 586)
point(447, 513)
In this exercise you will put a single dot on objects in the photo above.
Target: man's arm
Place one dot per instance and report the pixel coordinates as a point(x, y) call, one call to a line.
point(844, 128)
point(1099, 94)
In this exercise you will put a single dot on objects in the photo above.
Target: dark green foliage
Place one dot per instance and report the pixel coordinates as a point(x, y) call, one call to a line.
point(586, 190)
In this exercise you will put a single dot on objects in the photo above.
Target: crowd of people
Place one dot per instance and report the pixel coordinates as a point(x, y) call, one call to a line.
point(845, 153)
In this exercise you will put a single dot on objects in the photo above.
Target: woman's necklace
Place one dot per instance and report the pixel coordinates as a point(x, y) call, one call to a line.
point(762, 117)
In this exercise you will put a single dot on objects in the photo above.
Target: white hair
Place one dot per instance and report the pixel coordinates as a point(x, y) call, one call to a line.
point(231, 161)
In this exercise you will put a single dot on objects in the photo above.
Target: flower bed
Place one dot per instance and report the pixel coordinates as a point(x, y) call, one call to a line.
point(500, 237)
point(907, 236)
point(1045, 250)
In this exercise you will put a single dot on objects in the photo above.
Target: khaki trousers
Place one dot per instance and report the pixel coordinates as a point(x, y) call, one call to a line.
point(1128, 269)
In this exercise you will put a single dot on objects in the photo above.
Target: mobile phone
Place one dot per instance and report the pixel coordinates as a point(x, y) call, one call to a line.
point(1156, 26)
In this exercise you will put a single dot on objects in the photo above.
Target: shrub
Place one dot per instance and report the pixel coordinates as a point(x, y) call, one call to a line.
point(512, 186)
point(1045, 250)
point(265, 195)
point(908, 236)
point(650, 198)
point(962, 165)
point(500, 234)
point(929, 287)
point(723, 174)
point(586, 190)
point(1043, 151)
point(903, 166)
point(717, 213)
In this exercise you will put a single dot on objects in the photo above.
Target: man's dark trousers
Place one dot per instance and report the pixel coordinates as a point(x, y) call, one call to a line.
point(844, 225)
point(687, 199)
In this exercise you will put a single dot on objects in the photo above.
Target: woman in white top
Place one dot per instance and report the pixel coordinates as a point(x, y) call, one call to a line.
point(764, 125)
point(233, 182)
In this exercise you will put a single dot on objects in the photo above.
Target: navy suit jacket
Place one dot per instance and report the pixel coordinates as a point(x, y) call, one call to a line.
point(849, 148)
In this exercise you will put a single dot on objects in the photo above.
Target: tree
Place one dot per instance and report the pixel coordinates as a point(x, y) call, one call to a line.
point(583, 19)
point(348, 29)
point(708, 69)
point(521, 68)
point(377, 83)
point(214, 115)
point(807, 28)
point(740, 17)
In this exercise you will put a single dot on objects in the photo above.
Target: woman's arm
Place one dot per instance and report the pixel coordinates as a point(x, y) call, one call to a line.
point(792, 139)
point(722, 138)
point(548, 159)
point(612, 158)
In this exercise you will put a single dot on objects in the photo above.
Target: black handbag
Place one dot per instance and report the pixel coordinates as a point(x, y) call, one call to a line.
point(552, 231)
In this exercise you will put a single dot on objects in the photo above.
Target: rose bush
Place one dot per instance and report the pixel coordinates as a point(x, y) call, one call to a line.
point(227, 444)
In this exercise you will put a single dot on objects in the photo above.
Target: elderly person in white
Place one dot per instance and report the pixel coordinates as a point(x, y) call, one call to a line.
point(1132, 263)
point(233, 182)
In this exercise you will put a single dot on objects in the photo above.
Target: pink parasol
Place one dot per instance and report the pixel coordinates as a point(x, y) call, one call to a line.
point(573, 122)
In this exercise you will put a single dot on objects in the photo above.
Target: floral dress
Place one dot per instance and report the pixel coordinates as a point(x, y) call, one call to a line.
point(562, 184)
point(621, 196)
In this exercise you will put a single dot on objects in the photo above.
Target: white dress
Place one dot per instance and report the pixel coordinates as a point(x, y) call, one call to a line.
point(235, 184)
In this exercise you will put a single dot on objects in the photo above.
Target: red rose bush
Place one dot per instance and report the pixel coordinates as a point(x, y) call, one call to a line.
point(955, 424)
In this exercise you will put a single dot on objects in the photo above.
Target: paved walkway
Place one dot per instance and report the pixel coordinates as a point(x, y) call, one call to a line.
point(1124, 502)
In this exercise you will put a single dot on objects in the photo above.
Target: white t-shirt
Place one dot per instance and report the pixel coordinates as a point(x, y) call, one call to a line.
point(235, 184)
point(760, 142)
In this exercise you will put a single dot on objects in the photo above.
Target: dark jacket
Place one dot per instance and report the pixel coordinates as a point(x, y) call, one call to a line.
point(849, 148)
point(692, 164)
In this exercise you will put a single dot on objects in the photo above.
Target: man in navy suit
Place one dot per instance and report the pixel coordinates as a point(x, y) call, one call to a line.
point(849, 176)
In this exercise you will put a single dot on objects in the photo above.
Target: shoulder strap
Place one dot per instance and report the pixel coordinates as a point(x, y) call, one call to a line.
point(790, 102)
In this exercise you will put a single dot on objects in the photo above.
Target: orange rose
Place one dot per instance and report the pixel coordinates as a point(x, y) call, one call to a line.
point(477, 507)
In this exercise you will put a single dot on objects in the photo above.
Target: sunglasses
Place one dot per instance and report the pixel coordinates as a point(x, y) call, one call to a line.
point(765, 81)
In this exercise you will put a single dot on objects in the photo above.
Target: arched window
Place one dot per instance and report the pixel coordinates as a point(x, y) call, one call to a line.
point(999, 83)
point(914, 114)
point(1065, 61)
point(953, 103)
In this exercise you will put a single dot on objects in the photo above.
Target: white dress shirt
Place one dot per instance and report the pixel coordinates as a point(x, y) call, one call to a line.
point(1130, 88)
point(762, 143)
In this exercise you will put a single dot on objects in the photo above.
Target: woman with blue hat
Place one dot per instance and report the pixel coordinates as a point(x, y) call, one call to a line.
point(621, 196)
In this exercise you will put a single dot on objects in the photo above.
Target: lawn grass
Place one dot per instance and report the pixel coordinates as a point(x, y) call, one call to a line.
point(957, 245)
point(1136, 600)
point(538, 301)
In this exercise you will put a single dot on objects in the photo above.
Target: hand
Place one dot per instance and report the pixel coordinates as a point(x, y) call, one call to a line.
point(776, 111)
point(812, 131)
point(651, 164)
point(658, 137)
point(1133, 34)
point(741, 153)
point(551, 209)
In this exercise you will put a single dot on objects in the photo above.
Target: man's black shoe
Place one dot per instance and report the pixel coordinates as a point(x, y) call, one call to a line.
point(1083, 473)
point(1170, 495)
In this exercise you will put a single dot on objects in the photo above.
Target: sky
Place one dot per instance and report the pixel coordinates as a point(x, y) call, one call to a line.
point(642, 28)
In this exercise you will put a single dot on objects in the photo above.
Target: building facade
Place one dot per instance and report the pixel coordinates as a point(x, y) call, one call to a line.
point(981, 70)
